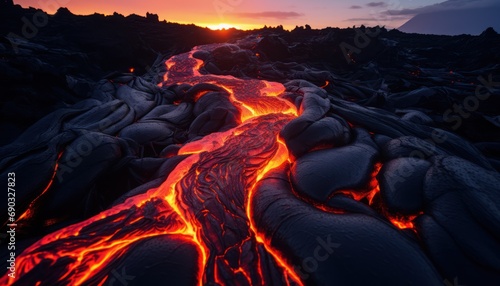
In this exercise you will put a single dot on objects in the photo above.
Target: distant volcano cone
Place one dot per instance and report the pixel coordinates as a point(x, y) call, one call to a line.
point(454, 22)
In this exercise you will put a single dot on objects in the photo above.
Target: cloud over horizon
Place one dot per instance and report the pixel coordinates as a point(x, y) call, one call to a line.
point(446, 5)
point(375, 20)
point(270, 14)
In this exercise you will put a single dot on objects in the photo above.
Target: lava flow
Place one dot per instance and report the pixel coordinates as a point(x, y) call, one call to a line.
point(204, 201)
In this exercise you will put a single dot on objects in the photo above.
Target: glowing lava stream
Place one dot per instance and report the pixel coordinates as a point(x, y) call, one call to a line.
point(255, 99)
point(204, 200)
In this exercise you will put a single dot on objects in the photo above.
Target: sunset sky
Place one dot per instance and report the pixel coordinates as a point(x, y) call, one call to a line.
point(247, 14)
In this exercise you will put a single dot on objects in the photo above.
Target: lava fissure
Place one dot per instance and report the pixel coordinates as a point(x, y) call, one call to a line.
point(31, 207)
point(205, 199)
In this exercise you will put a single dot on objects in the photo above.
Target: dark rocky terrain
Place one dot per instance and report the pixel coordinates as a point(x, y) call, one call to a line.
point(136, 143)
point(40, 65)
point(38, 71)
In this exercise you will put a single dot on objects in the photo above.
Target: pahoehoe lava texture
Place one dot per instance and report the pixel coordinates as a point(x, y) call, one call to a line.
point(231, 166)
point(337, 247)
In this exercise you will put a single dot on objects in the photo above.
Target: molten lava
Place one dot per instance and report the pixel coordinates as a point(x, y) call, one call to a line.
point(205, 200)
point(403, 223)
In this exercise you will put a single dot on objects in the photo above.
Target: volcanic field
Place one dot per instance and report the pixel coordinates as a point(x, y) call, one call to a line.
point(151, 153)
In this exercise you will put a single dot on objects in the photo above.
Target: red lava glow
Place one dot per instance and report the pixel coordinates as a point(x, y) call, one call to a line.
point(374, 185)
point(205, 200)
point(403, 223)
point(369, 195)
point(370, 192)
point(29, 211)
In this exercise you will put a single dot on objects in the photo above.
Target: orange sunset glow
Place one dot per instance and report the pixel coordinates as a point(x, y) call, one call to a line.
point(221, 26)
point(208, 14)
point(243, 14)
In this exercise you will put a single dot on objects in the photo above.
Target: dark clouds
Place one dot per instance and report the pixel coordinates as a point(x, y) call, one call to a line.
point(376, 4)
point(370, 4)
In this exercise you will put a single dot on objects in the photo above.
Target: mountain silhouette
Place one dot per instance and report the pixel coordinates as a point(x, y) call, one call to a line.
point(454, 22)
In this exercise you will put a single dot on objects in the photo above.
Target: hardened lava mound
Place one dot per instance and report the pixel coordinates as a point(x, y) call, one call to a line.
point(220, 168)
